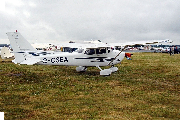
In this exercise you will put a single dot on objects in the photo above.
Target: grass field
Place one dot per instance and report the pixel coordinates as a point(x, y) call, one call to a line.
point(147, 87)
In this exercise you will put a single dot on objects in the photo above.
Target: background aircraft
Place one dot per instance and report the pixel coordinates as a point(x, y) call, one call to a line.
point(6, 53)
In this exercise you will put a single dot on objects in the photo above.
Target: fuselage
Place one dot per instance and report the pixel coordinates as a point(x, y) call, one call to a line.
point(81, 59)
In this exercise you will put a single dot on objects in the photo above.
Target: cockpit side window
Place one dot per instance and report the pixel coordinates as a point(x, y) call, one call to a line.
point(96, 51)
point(101, 51)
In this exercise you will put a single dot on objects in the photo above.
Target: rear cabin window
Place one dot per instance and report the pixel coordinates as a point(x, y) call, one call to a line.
point(90, 52)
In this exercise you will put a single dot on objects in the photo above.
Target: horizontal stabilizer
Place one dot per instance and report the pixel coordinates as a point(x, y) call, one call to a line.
point(30, 61)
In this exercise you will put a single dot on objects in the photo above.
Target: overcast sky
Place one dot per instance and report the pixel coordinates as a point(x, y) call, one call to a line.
point(79, 20)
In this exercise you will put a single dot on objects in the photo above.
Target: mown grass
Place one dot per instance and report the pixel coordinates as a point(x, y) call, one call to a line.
point(148, 87)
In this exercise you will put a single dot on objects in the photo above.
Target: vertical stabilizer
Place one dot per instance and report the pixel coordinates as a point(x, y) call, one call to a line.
point(20, 46)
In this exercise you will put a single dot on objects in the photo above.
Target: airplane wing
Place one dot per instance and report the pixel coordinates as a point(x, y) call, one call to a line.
point(101, 44)
point(83, 45)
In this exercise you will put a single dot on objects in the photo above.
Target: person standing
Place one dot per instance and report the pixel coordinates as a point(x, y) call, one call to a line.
point(172, 50)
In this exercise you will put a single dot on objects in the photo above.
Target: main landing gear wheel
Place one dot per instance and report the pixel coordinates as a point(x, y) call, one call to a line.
point(114, 69)
point(81, 69)
point(107, 72)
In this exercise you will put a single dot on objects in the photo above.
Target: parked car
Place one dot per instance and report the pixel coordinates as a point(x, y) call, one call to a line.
point(177, 50)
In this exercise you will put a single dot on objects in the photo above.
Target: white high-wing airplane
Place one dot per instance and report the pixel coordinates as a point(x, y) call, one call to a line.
point(94, 55)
